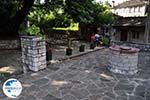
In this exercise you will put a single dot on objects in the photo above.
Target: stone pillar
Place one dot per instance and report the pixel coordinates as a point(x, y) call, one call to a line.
point(33, 53)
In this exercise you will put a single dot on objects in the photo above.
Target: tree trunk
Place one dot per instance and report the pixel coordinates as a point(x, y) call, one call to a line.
point(10, 29)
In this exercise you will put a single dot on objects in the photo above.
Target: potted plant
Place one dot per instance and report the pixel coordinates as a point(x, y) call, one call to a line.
point(30, 31)
point(92, 45)
point(82, 48)
point(105, 41)
point(48, 51)
point(68, 49)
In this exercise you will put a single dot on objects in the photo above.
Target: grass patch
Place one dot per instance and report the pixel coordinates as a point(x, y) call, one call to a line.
point(73, 27)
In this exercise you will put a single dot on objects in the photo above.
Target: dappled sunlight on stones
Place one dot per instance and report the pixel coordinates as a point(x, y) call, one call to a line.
point(26, 85)
point(54, 61)
point(87, 71)
point(59, 83)
point(79, 79)
point(8, 69)
point(106, 77)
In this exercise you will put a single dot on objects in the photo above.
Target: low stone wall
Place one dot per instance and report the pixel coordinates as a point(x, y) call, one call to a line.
point(9, 44)
point(33, 53)
point(141, 46)
point(123, 62)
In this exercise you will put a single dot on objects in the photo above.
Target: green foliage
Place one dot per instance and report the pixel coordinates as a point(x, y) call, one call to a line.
point(102, 14)
point(61, 16)
point(8, 8)
point(72, 27)
point(58, 13)
point(31, 31)
point(51, 15)
point(40, 16)
point(88, 11)
point(80, 10)
point(105, 41)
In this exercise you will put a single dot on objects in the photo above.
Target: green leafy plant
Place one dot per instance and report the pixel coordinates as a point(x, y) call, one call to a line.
point(31, 31)
point(105, 41)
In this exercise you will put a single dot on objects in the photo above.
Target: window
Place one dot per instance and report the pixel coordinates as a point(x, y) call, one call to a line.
point(135, 35)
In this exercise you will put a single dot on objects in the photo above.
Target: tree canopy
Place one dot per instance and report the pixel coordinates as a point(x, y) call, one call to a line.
point(12, 14)
point(88, 11)
point(51, 12)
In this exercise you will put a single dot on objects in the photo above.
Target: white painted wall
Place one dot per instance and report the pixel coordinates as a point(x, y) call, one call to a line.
point(130, 12)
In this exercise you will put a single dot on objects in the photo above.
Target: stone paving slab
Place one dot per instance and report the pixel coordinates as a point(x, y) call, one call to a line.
point(85, 78)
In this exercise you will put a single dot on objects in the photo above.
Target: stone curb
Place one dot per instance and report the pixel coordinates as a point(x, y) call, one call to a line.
point(78, 55)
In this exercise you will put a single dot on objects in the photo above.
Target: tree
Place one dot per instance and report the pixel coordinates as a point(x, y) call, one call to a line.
point(88, 13)
point(80, 10)
point(13, 13)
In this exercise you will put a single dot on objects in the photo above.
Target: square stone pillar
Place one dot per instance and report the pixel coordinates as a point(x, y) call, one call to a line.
point(33, 53)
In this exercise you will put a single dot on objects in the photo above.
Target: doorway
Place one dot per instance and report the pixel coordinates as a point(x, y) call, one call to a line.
point(124, 35)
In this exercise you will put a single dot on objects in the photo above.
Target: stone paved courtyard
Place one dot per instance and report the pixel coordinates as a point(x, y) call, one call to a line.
point(86, 78)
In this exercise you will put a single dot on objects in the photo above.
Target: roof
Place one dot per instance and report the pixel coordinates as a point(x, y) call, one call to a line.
point(130, 21)
point(130, 3)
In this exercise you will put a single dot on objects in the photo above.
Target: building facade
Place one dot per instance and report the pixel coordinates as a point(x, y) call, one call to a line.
point(131, 21)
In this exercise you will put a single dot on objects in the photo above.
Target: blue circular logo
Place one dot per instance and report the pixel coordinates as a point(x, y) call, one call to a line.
point(12, 88)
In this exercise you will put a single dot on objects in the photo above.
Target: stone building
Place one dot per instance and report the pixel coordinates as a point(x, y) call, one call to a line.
point(130, 24)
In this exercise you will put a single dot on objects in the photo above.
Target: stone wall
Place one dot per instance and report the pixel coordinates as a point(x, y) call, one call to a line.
point(123, 63)
point(60, 36)
point(9, 44)
point(33, 53)
point(141, 46)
